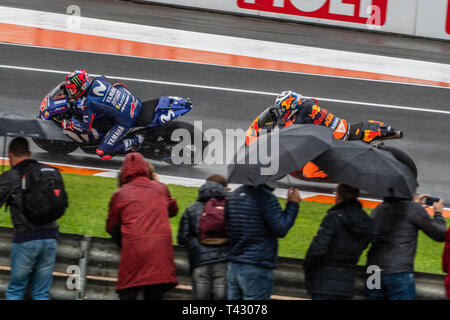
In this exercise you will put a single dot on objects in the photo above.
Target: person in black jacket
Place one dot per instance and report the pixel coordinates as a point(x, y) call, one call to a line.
point(397, 222)
point(208, 263)
point(331, 259)
point(396, 225)
point(34, 246)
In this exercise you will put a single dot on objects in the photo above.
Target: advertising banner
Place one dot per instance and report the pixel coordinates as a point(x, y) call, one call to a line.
point(426, 18)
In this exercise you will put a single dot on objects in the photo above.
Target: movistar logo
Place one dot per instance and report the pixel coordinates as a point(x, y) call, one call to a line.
point(99, 90)
point(167, 117)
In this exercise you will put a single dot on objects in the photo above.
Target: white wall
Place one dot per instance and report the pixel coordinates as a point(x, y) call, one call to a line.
point(427, 18)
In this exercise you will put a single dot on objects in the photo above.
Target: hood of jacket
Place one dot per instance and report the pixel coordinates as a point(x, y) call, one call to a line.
point(211, 189)
point(356, 221)
point(134, 166)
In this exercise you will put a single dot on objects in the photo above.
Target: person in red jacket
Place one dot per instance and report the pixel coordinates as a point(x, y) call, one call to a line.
point(138, 220)
point(446, 262)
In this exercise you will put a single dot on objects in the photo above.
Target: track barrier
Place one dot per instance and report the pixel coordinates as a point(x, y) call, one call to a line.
point(97, 261)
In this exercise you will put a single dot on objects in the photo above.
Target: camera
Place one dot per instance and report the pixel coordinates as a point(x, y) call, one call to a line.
point(430, 200)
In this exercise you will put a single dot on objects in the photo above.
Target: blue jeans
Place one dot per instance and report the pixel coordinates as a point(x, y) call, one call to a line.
point(248, 282)
point(37, 256)
point(399, 286)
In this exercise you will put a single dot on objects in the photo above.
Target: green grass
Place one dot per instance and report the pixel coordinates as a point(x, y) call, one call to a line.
point(88, 209)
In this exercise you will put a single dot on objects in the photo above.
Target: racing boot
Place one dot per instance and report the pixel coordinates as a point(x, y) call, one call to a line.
point(133, 143)
point(103, 155)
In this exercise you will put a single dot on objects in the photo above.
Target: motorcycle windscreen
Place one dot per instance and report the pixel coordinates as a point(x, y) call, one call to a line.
point(263, 121)
point(54, 103)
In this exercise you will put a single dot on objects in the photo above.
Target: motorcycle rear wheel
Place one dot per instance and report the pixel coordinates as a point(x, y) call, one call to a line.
point(160, 142)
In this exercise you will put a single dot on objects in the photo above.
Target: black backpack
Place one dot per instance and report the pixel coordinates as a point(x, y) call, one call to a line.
point(44, 198)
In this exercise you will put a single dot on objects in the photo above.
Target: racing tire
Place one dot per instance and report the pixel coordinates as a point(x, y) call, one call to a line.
point(56, 146)
point(187, 153)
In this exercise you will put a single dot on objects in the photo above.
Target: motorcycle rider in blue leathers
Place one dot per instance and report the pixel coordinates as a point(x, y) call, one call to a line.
point(99, 97)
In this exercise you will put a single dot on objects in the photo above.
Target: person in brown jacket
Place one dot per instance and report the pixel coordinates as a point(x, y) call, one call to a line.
point(138, 219)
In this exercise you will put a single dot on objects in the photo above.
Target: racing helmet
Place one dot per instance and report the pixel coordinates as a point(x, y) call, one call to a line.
point(77, 83)
point(287, 104)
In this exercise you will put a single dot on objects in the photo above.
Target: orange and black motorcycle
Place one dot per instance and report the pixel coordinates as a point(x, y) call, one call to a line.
point(310, 112)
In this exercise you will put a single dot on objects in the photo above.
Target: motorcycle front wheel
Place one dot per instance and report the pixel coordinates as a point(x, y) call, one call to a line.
point(55, 146)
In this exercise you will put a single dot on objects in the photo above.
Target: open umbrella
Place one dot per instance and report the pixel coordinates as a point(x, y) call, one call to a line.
point(13, 125)
point(370, 169)
point(288, 149)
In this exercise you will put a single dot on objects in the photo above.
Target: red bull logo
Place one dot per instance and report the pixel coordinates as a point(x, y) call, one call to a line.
point(369, 135)
point(288, 102)
point(315, 111)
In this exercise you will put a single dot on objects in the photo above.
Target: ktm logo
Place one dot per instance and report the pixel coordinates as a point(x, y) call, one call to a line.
point(99, 90)
point(328, 120)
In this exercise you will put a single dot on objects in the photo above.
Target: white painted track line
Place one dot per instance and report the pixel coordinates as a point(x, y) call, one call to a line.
point(367, 104)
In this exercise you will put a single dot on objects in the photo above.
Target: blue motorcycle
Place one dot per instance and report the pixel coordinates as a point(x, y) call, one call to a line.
point(156, 123)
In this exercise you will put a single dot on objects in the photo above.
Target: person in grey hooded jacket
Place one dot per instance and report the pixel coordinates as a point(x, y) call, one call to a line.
point(208, 263)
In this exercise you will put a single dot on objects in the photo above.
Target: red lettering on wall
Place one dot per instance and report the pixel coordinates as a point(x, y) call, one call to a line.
point(448, 18)
point(338, 10)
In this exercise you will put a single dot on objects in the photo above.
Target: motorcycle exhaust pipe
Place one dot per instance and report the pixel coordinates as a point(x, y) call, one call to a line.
point(397, 134)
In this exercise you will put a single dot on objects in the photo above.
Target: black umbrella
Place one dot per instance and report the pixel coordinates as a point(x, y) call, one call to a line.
point(367, 168)
point(13, 125)
point(297, 144)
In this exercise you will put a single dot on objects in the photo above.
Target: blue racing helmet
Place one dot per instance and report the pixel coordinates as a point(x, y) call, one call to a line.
point(287, 104)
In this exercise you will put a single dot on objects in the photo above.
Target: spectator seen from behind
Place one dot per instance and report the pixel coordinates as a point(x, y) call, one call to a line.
point(208, 262)
point(138, 220)
point(255, 221)
point(446, 262)
point(34, 246)
point(330, 263)
point(396, 226)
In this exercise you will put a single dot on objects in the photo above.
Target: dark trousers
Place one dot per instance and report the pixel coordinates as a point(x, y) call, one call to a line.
point(151, 292)
point(209, 282)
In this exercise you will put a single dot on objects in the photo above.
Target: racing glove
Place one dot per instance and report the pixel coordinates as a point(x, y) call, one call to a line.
point(72, 125)
point(366, 131)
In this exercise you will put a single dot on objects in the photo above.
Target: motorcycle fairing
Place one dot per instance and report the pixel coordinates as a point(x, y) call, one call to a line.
point(50, 108)
point(168, 109)
point(264, 121)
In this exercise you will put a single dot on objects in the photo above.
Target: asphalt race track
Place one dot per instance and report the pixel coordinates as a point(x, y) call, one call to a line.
point(229, 97)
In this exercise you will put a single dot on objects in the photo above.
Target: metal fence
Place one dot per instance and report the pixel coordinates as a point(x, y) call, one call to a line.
point(98, 259)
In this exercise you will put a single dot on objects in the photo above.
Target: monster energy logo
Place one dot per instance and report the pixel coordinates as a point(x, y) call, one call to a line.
point(77, 81)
